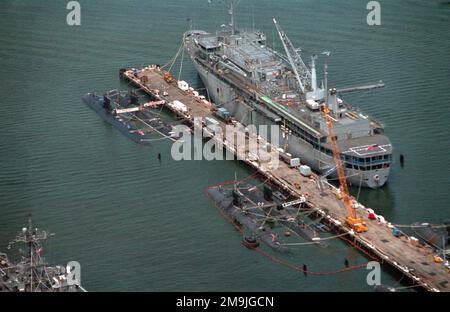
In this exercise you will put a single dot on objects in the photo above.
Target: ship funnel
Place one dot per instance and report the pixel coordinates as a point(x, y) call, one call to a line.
point(316, 93)
point(232, 22)
point(313, 73)
point(332, 101)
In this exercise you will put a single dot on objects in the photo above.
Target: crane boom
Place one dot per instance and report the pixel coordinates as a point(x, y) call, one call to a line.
point(301, 72)
point(352, 220)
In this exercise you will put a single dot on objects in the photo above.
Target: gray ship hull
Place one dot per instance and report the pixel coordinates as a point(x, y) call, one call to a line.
point(221, 92)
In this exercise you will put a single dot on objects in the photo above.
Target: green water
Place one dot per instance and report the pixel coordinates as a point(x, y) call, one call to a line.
point(135, 224)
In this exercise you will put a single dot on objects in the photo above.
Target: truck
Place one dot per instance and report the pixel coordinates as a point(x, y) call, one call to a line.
point(294, 162)
point(305, 171)
point(179, 106)
point(223, 114)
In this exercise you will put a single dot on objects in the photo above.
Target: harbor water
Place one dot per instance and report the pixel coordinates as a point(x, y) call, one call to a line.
point(138, 224)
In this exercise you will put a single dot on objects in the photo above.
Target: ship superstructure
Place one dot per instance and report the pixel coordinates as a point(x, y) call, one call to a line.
point(32, 273)
point(261, 86)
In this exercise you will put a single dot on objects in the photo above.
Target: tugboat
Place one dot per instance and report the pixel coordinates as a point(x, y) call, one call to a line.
point(32, 273)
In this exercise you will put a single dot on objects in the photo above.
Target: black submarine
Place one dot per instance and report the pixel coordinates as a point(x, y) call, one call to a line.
point(257, 211)
point(437, 235)
point(134, 120)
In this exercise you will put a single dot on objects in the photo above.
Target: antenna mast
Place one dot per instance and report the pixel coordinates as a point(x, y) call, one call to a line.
point(233, 27)
point(30, 245)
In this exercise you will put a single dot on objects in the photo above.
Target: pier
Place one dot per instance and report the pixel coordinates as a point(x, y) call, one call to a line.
point(404, 253)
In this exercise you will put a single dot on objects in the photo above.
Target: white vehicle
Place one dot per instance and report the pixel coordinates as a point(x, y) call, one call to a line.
point(179, 106)
point(183, 85)
point(295, 162)
point(305, 170)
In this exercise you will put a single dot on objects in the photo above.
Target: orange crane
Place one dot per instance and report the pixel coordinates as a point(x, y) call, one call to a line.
point(352, 220)
point(168, 77)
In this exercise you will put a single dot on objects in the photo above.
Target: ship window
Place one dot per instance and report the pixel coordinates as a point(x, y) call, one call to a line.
point(316, 146)
point(357, 167)
point(374, 158)
point(378, 131)
point(218, 90)
point(386, 156)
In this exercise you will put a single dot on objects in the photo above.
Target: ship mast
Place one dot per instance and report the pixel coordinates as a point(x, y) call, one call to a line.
point(232, 24)
point(325, 70)
point(32, 273)
point(30, 245)
point(32, 236)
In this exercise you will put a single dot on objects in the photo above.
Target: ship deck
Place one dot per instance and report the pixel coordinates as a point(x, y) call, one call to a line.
point(299, 116)
point(402, 253)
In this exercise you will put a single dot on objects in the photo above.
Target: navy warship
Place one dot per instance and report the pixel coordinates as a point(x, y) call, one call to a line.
point(32, 273)
point(261, 86)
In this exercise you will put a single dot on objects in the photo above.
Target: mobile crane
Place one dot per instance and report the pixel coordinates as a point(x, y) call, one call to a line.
point(352, 220)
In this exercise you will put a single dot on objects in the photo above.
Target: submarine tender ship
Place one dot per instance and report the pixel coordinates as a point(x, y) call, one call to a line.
point(261, 86)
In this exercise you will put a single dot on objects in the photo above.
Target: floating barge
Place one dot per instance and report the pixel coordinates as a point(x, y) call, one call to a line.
point(400, 251)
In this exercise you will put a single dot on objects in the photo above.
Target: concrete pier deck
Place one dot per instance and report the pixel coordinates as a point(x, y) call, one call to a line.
point(403, 253)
